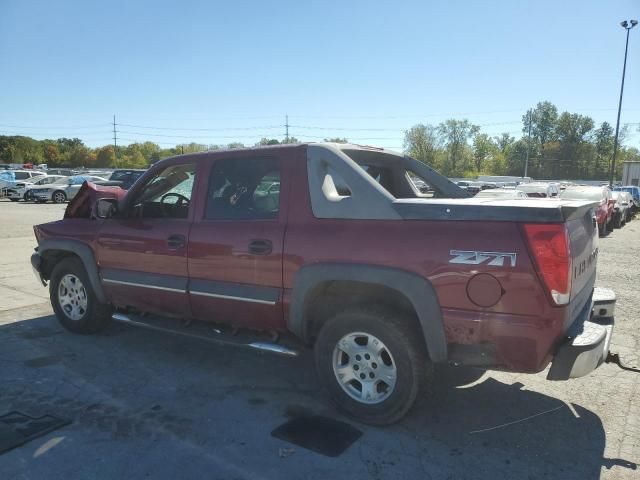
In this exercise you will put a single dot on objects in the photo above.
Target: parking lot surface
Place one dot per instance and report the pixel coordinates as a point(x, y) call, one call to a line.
point(146, 404)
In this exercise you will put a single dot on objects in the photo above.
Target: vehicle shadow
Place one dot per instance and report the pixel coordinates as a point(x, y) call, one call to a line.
point(129, 384)
point(499, 430)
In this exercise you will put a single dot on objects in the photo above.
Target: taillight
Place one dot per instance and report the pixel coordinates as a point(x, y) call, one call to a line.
point(549, 245)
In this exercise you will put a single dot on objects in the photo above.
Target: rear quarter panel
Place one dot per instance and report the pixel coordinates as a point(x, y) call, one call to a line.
point(522, 324)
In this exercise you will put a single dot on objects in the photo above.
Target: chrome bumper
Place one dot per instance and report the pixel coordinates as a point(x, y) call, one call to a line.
point(587, 349)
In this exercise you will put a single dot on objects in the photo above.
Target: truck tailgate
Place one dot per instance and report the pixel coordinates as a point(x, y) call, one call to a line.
point(583, 244)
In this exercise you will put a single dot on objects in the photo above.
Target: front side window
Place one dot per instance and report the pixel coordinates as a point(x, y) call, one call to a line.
point(245, 188)
point(167, 194)
point(22, 175)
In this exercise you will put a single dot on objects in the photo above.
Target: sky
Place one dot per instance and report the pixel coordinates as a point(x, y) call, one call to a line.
point(217, 72)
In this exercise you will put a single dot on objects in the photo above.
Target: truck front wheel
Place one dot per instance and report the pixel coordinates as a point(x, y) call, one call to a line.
point(374, 363)
point(74, 301)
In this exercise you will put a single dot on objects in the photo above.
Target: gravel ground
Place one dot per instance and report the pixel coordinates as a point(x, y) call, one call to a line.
point(144, 404)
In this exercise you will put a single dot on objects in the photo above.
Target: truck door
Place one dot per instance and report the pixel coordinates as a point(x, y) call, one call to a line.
point(235, 245)
point(142, 251)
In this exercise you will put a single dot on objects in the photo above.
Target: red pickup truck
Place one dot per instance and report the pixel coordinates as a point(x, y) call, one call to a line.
point(335, 245)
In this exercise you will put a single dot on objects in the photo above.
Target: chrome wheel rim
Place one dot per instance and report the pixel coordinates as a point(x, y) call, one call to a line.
point(58, 197)
point(72, 297)
point(364, 368)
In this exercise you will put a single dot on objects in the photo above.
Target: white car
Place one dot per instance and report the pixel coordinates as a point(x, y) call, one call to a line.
point(22, 190)
point(502, 193)
point(540, 189)
point(8, 178)
point(62, 189)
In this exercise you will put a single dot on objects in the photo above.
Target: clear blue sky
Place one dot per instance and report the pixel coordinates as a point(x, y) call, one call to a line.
point(349, 66)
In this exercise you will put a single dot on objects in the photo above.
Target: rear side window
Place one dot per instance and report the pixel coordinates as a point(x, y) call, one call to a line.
point(244, 189)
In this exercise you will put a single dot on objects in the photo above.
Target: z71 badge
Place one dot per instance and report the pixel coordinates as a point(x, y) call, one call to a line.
point(495, 259)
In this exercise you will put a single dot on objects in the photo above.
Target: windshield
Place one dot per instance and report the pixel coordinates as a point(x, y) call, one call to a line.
point(581, 194)
point(62, 181)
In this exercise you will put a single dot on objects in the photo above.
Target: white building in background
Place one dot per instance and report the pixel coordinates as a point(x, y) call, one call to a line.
point(631, 173)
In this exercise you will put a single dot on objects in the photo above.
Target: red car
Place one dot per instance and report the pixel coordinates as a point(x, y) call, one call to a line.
point(334, 246)
point(601, 196)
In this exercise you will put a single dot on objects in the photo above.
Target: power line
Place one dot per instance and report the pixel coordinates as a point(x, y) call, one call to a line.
point(219, 129)
point(55, 128)
point(115, 143)
point(56, 134)
point(191, 136)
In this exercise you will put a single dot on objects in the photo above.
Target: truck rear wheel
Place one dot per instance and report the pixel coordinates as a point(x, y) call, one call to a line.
point(73, 299)
point(374, 363)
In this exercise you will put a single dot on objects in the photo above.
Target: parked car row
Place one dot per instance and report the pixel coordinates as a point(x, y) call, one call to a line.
point(614, 207)
point(41, 187)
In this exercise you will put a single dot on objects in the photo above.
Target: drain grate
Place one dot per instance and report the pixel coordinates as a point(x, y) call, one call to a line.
point(16, 428)
point(319, 434)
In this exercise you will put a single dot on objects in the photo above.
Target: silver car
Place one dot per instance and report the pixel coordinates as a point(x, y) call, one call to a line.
point(63, 189)
point(22, 190)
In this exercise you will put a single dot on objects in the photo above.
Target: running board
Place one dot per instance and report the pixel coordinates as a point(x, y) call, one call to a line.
point(202, 331)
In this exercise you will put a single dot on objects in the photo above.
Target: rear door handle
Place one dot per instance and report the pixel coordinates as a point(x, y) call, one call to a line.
point(174, 242)
point(260, 247)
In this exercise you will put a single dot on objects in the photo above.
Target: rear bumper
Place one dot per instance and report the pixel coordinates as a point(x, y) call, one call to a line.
point(587, 343)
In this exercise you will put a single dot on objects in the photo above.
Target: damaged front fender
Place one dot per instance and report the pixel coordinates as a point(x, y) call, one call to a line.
point(84, 203)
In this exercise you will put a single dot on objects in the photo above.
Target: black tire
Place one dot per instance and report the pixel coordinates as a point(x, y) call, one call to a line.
point(95, 316)
point(403, 339)
point(14, 199)
point(617, 223)
point(59, 196)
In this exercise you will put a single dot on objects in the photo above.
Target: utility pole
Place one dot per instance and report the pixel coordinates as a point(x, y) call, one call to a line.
point(115, 143)
point(627, 26)
point(526, 162)
point(286, 125)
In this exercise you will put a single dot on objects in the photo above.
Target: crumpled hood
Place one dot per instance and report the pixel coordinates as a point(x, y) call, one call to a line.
point(84, 202)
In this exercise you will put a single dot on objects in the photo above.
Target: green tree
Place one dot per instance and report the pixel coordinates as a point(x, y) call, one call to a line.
point(267, 141)
point(455, 135)
point(603, 139)
point(336, 140)
point(572, 132)
point(483, 150)
point(51, 154)
point(422, 143)
point(504, 141)
point(104, 157)
point(544, 118)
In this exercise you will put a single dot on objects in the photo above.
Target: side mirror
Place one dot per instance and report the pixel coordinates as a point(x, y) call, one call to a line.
point(106, 207)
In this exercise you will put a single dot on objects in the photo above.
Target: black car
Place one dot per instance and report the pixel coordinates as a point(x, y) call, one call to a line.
point(125, 178)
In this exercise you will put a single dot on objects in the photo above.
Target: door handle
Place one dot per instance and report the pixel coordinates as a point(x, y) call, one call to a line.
point(260, 247)
point(175, 242)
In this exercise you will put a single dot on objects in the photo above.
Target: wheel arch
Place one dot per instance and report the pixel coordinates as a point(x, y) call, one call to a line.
point(54, 250)
point(349, 284)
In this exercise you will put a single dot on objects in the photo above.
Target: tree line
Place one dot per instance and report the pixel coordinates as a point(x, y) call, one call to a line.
point(561, 146)
point(72, 152)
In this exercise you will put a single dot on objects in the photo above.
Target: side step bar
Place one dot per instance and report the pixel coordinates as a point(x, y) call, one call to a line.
point(202, 332)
